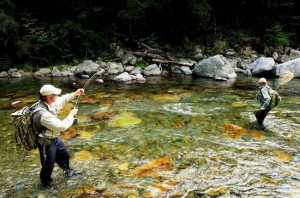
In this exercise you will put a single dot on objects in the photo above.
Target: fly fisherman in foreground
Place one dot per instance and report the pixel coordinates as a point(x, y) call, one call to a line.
point(264, 99)
point(45, 120)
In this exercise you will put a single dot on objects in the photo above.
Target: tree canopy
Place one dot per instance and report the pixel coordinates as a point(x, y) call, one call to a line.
point(47, 32)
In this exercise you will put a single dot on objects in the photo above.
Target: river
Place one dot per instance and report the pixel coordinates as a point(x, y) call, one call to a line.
point(168, 137)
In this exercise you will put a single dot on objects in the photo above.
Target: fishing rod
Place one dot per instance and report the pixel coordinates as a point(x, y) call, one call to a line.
point(84, 87)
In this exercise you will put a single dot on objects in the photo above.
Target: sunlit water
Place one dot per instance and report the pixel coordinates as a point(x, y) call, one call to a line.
point(179, 118)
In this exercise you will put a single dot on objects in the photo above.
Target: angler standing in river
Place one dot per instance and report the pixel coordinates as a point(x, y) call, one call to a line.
point(264, 99)
point(50, 146)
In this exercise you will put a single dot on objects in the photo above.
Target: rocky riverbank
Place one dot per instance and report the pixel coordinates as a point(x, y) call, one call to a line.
point(220, 67)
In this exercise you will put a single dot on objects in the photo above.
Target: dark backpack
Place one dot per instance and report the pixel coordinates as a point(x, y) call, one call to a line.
point(275, 97)
point(22, 122)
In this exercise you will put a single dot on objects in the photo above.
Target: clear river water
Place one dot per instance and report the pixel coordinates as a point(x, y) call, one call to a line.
point(168, 137)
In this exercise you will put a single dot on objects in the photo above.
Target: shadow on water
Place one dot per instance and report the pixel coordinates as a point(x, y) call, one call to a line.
point(174, 137)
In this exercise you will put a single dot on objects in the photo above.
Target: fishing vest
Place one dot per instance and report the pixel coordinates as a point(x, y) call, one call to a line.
point(38, 128)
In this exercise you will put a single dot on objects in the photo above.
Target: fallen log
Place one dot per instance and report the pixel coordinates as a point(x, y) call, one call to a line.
point(171, 62)
point(148, 55)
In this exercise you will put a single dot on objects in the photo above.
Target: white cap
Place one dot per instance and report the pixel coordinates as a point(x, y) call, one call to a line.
point(262, 80)
point(47, 90)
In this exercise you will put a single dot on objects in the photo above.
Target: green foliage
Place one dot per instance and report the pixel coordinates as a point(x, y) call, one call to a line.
point(219, 46)
point(28, 67)
point(277, 36)
point(49, 32)
point(240, 36)
point(141, 63)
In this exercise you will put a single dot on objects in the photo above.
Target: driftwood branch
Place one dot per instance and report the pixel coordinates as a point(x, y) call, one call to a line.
point(149, 55)
point(171, 62)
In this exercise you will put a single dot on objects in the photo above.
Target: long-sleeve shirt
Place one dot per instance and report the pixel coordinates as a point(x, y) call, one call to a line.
point(50, 120)
point(265, 97)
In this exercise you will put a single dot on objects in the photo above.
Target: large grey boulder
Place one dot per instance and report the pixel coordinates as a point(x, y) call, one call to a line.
point(152, 70)
point(262, 65)
point(43, 72)
point(213, 67)
point(292, 66)
point(4, 74)
point(87, 67)
point(124, 77)
point(114, 68)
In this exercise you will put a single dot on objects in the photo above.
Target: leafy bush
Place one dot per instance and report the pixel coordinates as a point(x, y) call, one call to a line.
point(277, 36)
point(219, 46)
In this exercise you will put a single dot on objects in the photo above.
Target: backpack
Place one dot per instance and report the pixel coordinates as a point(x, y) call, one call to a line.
point(23, 126)
point(275, 97)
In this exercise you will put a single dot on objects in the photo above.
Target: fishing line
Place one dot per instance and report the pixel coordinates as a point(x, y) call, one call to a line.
point(84, 87)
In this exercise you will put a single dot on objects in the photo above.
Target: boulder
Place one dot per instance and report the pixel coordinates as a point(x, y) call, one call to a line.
point(244, 62)
point(10, 71)
point(124, 77)
point(238, 70)
point(262, 65)
point(215, 66)
point(16, 74)
point(129, 59)
point(198, 53)
point(292, 66)
point(136, 70)
point(275, 55)
point(56, 73)
point(100, 81)
point(66, 74)
point(152, 70)
point(233, 61)
point(4, 74)
point(114, 68)
point(283, 58)
point(85, 76)
point(73, 69)
point(186, 70)
point(87, 67)
point(140, 77)
point(230, 52)
point(294, 54)
point(128, 68)
point(248, 72)
point(43, 72)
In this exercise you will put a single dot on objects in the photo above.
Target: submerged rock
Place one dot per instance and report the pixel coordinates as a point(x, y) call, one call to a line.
point(83, 155)
point(104, 115)
point(125, 119)
point(154, 167)
point(216, 66)
point(234, 131)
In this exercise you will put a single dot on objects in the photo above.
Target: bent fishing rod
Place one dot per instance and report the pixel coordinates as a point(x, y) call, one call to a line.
point(84, 87)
